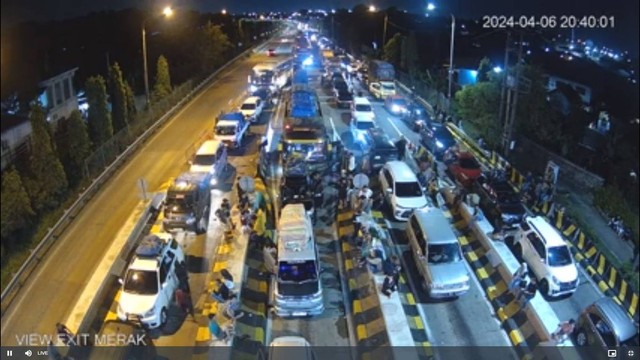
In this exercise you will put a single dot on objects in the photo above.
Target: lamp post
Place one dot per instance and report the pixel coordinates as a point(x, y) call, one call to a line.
point(167, 12)
point(453, 32)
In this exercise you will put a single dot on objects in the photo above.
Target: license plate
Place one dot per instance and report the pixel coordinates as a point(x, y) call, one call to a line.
point(299, 313)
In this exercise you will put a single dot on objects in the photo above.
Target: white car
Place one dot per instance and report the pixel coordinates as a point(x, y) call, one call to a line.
point(401, 189)
point(251, 108)
point(150, 281)
point(380, 90)
point(290, 347)
point(361, 109)
point(540, 245)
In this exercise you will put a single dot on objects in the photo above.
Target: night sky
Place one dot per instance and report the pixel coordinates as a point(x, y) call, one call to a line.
point(624, 36)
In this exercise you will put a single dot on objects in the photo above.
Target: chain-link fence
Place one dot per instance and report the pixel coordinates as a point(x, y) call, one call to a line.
point(107, 152)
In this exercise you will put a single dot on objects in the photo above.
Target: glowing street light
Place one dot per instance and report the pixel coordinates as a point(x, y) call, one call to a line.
point(430, 7)
point(372, 8)
point(224, 11)
point(167, 12)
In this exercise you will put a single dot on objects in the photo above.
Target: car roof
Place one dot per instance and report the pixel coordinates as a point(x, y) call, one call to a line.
point(396, 97)
point(251, 99)
point(144, 264)
point(209, 147)
point(401, 171)
point(436, 226)
point(361, 100)
point(621, 324)
point(547, 232)
point(289, 341)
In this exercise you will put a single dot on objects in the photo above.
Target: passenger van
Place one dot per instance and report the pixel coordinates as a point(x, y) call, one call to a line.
point(437, 254)
point(297, 286)
point(211, 157)
point(401, 189)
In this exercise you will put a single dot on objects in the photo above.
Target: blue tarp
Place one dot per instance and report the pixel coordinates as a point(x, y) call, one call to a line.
point(233, 116)
point(303, 104)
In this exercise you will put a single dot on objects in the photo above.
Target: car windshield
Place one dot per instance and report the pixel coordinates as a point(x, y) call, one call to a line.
point(298, 272)
point(469, 163)
point(559, 256)
point(444, 253)
point(363, 108)
point(390, 87)
point(399, 102)
point(365, 125)
point(225, 130)
point(408, 189)
point(141, 282)
point(248, 106)
point(176, 203)
point(204, 160)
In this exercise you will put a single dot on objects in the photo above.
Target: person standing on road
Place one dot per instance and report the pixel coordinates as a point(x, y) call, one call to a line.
point(564, 331)
point(401, 146)
point(183, 277)
point(528, 293)
point(269, 259)
point(183, 299)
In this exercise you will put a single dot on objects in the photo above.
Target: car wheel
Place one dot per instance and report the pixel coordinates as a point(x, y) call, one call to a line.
point(581, 338)
point(544, 287)
point(163, 316)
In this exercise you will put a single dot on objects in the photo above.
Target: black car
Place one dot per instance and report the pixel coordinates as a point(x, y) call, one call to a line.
point(416, 117)
point(339, 85)
point(499, 202)
point(344, 98)
point(436, 138)
point(379, 149)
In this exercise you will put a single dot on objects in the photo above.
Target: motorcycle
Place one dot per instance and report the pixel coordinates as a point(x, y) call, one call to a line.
point(617, 225)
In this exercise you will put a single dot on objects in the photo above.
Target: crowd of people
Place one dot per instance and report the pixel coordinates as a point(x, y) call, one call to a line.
point(537, 190)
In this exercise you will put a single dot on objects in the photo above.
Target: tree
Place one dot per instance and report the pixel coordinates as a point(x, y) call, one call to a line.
point(393, 49)
point(74, 146)
point(211, 46)
point(99, 118)
point(16, 207)
point(484, 69)
point(534, 116)
point(130, 101)
point(410, 54)
point(162, 87)
point(119, 115)
point(47, 181)
point(479, 105)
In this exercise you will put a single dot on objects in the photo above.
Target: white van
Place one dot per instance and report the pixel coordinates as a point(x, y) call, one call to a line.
point(401, 189)
point(211, 157)
point(297, 288)
point(437, 254)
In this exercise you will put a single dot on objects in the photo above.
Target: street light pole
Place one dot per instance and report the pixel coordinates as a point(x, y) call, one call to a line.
point(384, 32)
point(144, 59)
point(453, 32)
point(166, 12)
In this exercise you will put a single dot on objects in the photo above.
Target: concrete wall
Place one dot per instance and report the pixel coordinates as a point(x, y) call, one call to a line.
point(529, 156)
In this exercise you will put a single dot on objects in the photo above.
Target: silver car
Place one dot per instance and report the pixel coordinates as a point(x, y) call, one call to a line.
point(437, 254)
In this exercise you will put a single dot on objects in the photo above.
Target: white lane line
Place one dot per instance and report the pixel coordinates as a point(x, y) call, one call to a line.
point(394, 126)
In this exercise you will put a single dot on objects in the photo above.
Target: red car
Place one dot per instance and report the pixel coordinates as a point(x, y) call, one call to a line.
point(463, 167)
point(271, 52)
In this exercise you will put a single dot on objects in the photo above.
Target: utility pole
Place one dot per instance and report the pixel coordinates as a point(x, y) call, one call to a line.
point(384, 32)
point(510, 89)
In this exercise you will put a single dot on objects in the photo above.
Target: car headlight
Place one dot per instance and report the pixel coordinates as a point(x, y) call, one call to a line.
point(439, 144)
point(191, 220)
point(150, 312)
point(213, 181)
point(395, 108)
point(253, 88)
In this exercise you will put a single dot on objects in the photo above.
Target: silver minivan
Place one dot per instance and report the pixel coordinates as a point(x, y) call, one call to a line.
point(437, 254)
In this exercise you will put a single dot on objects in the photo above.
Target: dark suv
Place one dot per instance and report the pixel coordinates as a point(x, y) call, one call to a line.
point(379, 148)
point(436, 138)
point(498, 200)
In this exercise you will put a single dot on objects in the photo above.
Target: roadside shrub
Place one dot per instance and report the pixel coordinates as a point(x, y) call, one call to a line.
point(612, 202)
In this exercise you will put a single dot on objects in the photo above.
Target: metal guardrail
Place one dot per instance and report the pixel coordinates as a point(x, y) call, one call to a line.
point(40, 251)
point(147, 218)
